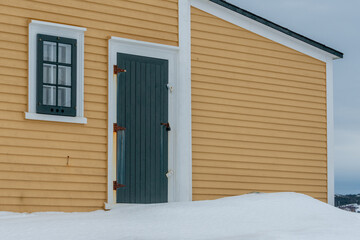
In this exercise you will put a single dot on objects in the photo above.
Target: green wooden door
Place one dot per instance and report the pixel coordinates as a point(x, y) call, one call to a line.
point(142, 149)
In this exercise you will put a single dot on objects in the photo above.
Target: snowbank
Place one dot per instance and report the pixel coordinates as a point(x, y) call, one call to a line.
point(253, 216)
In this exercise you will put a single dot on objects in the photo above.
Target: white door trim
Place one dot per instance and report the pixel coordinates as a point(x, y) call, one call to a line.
point(170, 53)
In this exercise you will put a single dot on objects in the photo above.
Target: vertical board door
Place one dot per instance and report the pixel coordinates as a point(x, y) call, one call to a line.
point(142, 149)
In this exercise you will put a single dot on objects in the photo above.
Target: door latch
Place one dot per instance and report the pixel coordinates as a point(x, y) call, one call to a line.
point(169, 173)
point(167, 125)
point(117, 185)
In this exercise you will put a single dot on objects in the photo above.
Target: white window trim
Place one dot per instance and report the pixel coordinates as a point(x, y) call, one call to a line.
point(55, 29)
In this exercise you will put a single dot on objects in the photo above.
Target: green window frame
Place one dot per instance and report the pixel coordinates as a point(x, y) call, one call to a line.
point(56, 75)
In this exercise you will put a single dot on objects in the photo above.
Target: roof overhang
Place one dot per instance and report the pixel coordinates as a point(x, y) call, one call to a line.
point(266, 28)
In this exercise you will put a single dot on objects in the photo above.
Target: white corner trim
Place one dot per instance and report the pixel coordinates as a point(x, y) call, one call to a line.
point(261, 29)
point(55, 29)
point(54, 118)
point(177, 115)
point(330, 130)
point(184, 137)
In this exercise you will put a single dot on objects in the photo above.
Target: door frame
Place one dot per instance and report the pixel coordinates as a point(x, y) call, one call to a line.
point(178, 187)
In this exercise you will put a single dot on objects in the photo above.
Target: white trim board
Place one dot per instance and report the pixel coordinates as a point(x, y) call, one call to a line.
point(261, 29)
point(55, 29)
point(330, 130)
point(176, 185)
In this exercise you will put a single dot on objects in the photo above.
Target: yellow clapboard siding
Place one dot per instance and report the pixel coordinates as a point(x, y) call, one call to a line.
point(229, 66)
point(258, 82)
point(259, 119)
point(258, 114)
point(257, 139)
point(36, 185)
point(51, 202)
point(247, 179)
point(52, 127)
point(227, 56)
point(52, 144)
point(67, 168)
point(257, 125)
point(35, 208)
point(52, 194)
point(255, 145)
point(238, 159)
point(75, 165)
point(39, 151)
point(66, 137)
point(260, 166)
point(255, 152)
point(226, 100)
point(223, 87)
point(63, 166)
point(260, 186)
point(44, 177)
point(258, 51)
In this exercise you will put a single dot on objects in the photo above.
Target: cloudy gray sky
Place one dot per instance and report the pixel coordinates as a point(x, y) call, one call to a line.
point(336, 24)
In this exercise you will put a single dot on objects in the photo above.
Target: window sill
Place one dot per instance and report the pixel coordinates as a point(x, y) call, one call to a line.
point(54, 118)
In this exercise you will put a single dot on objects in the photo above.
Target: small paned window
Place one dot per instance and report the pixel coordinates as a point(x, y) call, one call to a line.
point(56, 75)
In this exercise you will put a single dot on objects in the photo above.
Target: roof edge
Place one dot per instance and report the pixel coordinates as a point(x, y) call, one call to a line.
point(278, 27)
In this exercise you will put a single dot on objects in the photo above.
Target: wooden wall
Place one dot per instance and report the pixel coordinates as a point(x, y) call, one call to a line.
point(34, 174)
point(258, 114)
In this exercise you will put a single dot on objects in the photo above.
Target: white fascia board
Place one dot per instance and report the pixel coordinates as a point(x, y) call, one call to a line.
point(330, 130)
point(261, 29)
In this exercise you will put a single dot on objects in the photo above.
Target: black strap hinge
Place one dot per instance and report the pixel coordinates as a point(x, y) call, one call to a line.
point(117, 185)
point(118, 128)
point(118, 70)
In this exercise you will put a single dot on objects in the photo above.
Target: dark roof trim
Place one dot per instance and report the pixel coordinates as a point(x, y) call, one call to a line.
point(278, 27)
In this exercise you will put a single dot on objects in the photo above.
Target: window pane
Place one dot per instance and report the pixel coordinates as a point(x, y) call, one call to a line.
point(49, 95)
point(49, 51)
point(64, 53)
point(64, 97)
point(64, 75)
point(49, 73)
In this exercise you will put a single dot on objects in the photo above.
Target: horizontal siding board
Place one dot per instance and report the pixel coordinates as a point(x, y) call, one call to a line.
point(236, 57)
point(256, 152)
point(250, 103)
point(258, 173)
point(247, 179)
point(239, 158)
point(52, 194)
point(44, 177)
point(69, 165)
point(285, 142)
point(258, 114)
point(259, 119)
point(258, 125)
point(255, 145)
point(51, 202)
point(258, 166)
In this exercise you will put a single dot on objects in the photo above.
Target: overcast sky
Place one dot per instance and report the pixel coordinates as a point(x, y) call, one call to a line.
point(336, 24)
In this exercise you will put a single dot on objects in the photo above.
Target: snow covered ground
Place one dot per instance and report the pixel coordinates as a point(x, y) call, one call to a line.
point(252, 216)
